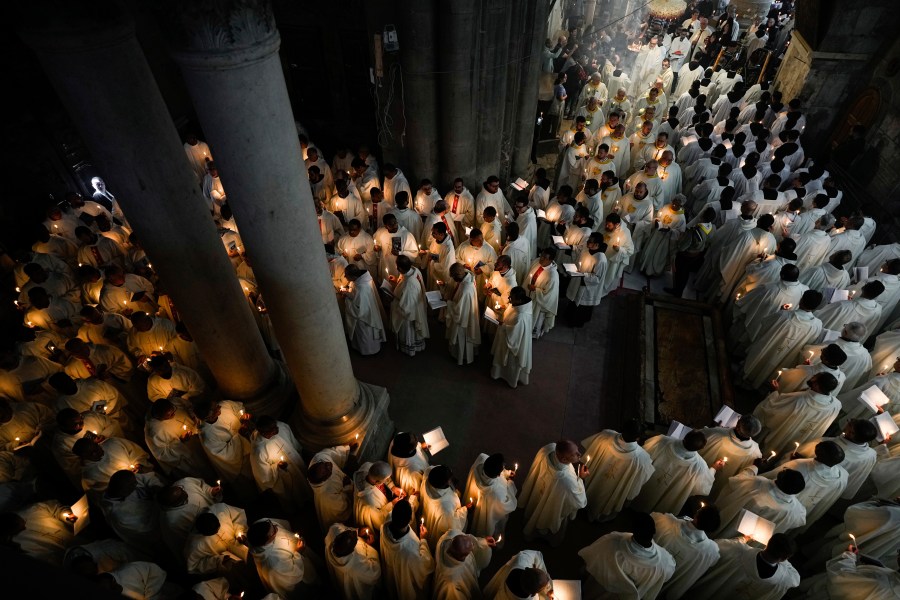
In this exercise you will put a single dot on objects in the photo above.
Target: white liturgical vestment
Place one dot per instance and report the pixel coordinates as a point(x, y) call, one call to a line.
point(623, 569)
point(617, 472)
point(552, 494)
point(495, 499)
point(356, 575)
point(735, 576)
point(454, 579)
point(679, 474)
point(693, 552)
point(407, 565)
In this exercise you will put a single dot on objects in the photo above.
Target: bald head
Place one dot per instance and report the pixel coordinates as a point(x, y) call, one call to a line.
point(461, 546)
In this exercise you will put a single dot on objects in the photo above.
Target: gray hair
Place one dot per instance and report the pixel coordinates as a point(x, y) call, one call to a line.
point(380, 469)
point(855, 331)
point(749, 425)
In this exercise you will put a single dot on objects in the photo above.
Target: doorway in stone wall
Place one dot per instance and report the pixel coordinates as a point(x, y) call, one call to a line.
point(863, 112)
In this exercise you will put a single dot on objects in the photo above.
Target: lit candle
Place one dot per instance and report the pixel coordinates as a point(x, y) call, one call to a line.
point(366, 532)
point(281, 458)
point(588, 459)
point(796, 446)
point(771, 456)
point(18, 290)
point(516, 467)
point(724, 459)
point(853, 538)
point(297, 535)
point(810, 354)
point(131, 467)
point(30, 324)
point(242, 412)
point(218, 482)
point(17, 439)
point(184, 427)
point(470, 500)
point(780, 371)
point(422, 521)
point(702, 504)
point(499, 538)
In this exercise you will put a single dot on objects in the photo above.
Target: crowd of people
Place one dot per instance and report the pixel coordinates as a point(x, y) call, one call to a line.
point(672, 166)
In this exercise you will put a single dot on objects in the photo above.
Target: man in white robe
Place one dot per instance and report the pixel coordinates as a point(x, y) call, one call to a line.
point(358, 248)
point(100, 461)
point(394, 182)
point(574, 158)
point(627, 565)
point(781, 336)
point(830, 274)
point(553, 491)
point(149, 335)
point(137, 579)
point(440, 255)
point(864, 309)
point(407, 563)
point(96, 360)
point(875, 256)
point(850, 577)
point(859, 362)
point(490, 485)
point(812, 246)
point(523, 576)
point(850, 239)
point(461, 205)
point(889, 276)
point(463, 330)
point(224, 436)
point(685, 538)
point(773, 498)
point(41, 530)
point(332, 489)
point(282, 558)
point(542, 281)
point(277, 463)
point(751, 311)
point(409, 309)
point(409, 460)
point(374, 494)
point(490, 195)
point(71, 426)
point(179, 505)
point(798, 417)
point(736, 443)
point(516, 249)
point(825, 479)
point(513, 339)
point(859, 456)
point(171, 433)
point(22, 422)
point(198, 155)
point(363, 313)
point(352, 562)
point(441, 506)
point(391, 241)
point(874, 525)
point(830, 360)
point(459, 559)
point(746, 570)
point(618, 469)
point(479, 258)
point(525, 218)
point(170, 380)
point(216, 544)
point(131, 511)
point(619, 250)
point(679, 473)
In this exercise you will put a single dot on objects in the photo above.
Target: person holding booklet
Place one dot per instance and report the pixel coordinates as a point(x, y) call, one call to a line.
point(586, 276)
point(512, 343)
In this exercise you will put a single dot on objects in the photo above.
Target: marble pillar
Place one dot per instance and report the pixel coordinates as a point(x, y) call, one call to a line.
point(101, 75)
point(228, 53)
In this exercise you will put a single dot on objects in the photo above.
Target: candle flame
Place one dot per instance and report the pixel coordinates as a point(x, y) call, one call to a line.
point(796, 446)
point(499, 538)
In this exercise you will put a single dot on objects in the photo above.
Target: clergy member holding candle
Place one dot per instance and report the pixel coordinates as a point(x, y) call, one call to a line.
point(459, 559)
point(332, 489)
point(686, 540)
point(463, 328)
point(523, 576)
point(441, 506)
point(513, 340)
point(282, 559)
point(619, 468)
point(737, 444)
point(216, 546)
point(352, 562)
point(774, 499)
point(408, 459)
point(407, 561)
point(746, 570)
point(492, 488)
point(277, 464)
point(553, 491)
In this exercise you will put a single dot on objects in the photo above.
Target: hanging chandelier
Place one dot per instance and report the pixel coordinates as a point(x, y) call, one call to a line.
point(667, 9)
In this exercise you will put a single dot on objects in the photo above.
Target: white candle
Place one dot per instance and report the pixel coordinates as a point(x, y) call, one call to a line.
point(218, 482)
point(516, 467)
point(780, 371)
point(499, 538)
point(724, 459)
point(771, 456)
point(796, 446)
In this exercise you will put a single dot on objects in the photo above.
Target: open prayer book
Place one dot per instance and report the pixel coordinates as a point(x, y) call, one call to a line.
point(726, 417)
point(572, 270)
point(566, 589)
point(436, 439)
point(491, 316)
point(759, 529)
point(873, 397)
point(678, 430)
point(520, 184)
point(860, 274)
point(541, 213)
point(30, 442)
point(886, 425)
point(387, 287)
point(81, 510)
point(835, 295)
point(828, 336)
point(560, 242)
point(435, 300)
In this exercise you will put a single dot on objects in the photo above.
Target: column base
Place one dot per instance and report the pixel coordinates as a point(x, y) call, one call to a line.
point(369, 418)
point(272, 401)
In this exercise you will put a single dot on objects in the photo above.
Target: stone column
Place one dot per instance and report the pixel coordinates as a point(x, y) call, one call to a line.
point(458, 91)
point(229, 57)
point(525, 128)
point(419, 59)
point(490, 82)
point(103, 79)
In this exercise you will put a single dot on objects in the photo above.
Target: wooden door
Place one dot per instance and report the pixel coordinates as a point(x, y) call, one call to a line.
point(862, 112)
